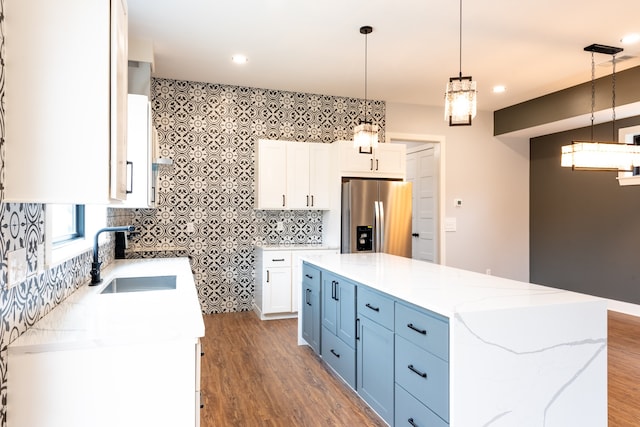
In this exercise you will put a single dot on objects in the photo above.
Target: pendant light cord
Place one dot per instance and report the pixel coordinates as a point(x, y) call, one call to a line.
point(366, 109)
point(460, 50)
point(593, 91)
point(613, 100)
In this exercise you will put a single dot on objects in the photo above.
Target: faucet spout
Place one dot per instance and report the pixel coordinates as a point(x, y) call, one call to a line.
point(95, 265)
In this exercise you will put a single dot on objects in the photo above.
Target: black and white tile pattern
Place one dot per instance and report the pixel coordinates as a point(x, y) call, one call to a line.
point(209, 130)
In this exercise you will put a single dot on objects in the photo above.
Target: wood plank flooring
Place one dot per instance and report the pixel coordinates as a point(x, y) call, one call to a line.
point(255, 374)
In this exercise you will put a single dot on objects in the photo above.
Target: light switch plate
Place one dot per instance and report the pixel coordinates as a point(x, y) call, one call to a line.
point(450, 224)
point(16, 267)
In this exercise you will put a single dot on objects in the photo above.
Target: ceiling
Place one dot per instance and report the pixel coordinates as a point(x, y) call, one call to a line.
point(532, 47)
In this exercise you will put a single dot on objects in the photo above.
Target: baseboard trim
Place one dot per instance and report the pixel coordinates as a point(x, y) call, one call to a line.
point(624, 307)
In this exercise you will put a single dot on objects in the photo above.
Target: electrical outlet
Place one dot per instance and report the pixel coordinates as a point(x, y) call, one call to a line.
point(41, 261)
point(280, 226)
point(16, 267)
point(190, 227)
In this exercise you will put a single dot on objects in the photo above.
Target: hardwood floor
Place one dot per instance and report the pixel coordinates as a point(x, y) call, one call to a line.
point(624, 370)
point(255, 374)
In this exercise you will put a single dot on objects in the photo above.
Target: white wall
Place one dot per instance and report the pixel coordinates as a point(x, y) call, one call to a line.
point(491, 176)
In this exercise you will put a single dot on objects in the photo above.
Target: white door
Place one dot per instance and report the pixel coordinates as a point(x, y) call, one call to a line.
point(422, 172)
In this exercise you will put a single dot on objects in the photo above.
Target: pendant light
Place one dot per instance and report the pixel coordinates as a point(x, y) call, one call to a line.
point(593, 155)
point(365, 135)
point(461, 95)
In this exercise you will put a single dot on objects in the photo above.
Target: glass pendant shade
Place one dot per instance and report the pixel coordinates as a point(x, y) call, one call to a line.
point(460, 101)
point(611, 156)
point(365, 135)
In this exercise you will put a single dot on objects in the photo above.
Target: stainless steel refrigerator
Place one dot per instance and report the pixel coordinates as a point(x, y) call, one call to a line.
point(376, 216)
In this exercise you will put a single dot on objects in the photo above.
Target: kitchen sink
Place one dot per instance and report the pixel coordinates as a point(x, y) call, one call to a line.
point(140, 284)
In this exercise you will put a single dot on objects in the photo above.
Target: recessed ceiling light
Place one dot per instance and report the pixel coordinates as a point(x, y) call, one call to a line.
point(239, 59)
point(499, 89)
point(630, 38)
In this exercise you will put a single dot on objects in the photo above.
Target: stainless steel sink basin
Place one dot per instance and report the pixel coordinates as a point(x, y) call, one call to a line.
point(140, 284)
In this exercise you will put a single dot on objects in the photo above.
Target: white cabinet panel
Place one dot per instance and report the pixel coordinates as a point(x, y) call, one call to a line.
point(61, 130)
point(292, 175)
point(385, 161)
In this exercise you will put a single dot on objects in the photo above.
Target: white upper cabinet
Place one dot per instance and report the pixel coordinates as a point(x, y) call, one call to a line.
point(292, 175)
point(271, 174)
point(307, 175)
point(385, 161)
point(65, 101)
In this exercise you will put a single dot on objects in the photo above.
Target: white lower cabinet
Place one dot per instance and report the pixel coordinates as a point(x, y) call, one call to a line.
point(129, 385)
point(279, 280)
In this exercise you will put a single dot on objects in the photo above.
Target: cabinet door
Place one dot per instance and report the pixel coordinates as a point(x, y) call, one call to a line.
point(390, 159)
point(329, 301)
point(119, 90)
point(375, 367)
point(346, 321)
point(311, 323)
point(140, 180)
point(298, 176)
point(353, 160)
point(277, 290)
point(320, 176)
point(271, 174)
point(57, 102)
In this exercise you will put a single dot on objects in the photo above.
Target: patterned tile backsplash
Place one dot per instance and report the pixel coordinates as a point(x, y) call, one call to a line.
point(209, 131)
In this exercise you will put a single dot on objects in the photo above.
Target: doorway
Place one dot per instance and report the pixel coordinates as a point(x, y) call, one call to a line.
point(424, 154)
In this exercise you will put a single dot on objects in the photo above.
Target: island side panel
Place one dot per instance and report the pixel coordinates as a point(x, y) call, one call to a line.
point(533, 366)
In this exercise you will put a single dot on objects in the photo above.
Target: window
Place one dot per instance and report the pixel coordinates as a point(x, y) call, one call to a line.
point(67, 223)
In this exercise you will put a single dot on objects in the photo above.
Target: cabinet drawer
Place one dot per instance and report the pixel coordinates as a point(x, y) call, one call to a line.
point(423, 329)
point(310, 275)
point(410, 412)
point(375, 306)
point(423, 375)
point(276, 259)
point(339, 356)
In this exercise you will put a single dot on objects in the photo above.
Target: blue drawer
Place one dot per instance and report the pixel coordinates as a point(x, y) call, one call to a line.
point(310, 275)
point(375, 306)
point(426, 330)
point(410, 412)
point(339, 356)
point(423, 375)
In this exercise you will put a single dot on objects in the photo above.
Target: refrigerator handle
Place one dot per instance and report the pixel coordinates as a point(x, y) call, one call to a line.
point(376, 227)
point(381, 229)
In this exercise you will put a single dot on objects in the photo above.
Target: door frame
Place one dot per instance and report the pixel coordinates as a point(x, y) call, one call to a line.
point(439, 156)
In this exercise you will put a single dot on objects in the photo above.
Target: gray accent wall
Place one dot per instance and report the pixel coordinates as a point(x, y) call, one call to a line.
point(584, 227)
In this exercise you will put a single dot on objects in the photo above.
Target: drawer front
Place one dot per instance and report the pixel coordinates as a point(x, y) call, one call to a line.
point(310, 276)
point(410, 412)
point(375, 306)
point(339, 356)
point(423, 329)
point(423, 375)
point(276, 259)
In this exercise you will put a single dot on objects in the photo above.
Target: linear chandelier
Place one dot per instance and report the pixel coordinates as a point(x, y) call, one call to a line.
point(598, 155)
point(365, 135)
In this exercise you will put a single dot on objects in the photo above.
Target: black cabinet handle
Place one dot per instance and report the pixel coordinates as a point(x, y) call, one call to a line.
point(277, 259)
point(415, 235)
point(371, 164)
point(372, 307)
point(312, 200)
point(306, 296)
point(129, 191)
point(308, 276)
point(335, 354)
point(411, 422)
point(307, 200)
point(283, 201)
point(418, 330)
point(377, 164)
point(414, 370)
point(267, 276)
point(358, 329)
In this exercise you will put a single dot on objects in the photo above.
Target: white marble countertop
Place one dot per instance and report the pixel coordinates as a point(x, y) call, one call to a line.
point(294, 247)
point(88, 319)
point(443, 290)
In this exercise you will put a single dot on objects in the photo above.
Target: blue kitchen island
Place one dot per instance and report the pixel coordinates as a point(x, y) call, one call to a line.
point(425, 344)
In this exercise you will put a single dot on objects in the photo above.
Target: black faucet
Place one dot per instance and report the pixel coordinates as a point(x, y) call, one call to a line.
point(95, 265)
